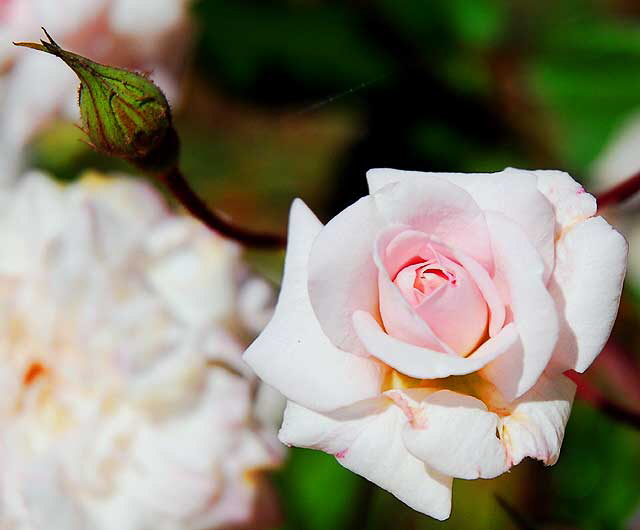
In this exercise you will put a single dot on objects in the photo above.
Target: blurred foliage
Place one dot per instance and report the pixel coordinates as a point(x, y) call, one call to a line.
point(293, 98)
point(596, 482)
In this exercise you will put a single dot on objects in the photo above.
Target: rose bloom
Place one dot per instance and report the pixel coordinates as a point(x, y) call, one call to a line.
point(126, 404)
point(422, 334)
point(36, 87)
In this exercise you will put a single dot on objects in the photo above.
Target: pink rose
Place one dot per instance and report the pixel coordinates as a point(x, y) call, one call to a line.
point(422, 334)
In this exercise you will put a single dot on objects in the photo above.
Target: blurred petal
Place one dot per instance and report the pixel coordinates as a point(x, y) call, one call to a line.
point(134, 16)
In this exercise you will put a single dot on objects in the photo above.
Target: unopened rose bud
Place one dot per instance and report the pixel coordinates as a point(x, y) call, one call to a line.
point(124, 113)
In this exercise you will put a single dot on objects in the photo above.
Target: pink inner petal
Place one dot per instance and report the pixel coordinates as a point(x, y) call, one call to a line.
point(456, 311)
point(397, 313)
point(450, 291)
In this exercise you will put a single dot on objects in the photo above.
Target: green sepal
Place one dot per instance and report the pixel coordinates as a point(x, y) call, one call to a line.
point(123, 113)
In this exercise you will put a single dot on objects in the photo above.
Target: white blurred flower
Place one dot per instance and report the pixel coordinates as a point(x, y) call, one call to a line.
point(137, 34)
point(620, 159)
point(125, 402)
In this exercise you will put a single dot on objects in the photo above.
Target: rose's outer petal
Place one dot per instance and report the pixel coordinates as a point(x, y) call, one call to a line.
point(536, 425)
point(586, 286)
point(519, 271)
point(568, 198)
point(458, 438)
point(342, 277)
point(512, 192)
point(423, 363)
point(371, 445)
point(293, 354)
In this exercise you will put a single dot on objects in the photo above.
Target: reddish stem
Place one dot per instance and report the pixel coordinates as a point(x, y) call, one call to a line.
point(589, 393)
point(620, 192)
point(181, 190)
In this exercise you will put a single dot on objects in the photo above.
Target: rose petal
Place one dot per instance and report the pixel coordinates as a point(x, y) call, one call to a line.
point(345, 245)
point(535, 427)
point(372, 447)
point(401, 245)
point(457, 314)
point(342, 274)
point(487, 288)
point(441, 210)
point(423, 363)
point(586, 286)
point(570, 202)
point(459, 436)
point(293, 354)
point(519, 270)
point(512, 192)
point(399, 317)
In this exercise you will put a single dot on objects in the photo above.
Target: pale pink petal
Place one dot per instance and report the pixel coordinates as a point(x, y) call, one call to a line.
point(456, 312)
point(342, 276)
point(512, 192)
point(401, 320)
point(399, 245)
point(399, 317)
point(441, 210)
point(424, 363)
point(535, 427)
point(459, 436)
point(371, 446)
point(293, 354)
point(586, 286)
point(570, 202)
point(487, 288)
point(520, 273)
point(342, 273)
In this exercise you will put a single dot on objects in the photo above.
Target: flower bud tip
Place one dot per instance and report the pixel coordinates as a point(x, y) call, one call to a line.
point(123, 113)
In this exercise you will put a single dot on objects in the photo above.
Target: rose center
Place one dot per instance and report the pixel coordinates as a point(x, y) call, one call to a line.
point(428, 278)
point(417, 282)
point(445, 296)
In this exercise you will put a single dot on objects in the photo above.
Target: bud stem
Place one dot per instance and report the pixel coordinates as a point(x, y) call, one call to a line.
point(620, 192)
point(184, 193)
